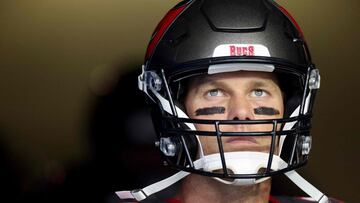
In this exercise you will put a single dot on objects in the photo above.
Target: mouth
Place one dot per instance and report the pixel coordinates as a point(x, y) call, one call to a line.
point(245, 143)
point(245, 140)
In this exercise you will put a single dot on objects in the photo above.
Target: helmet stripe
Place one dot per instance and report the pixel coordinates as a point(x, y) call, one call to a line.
point(287, 14)
point(161, 28)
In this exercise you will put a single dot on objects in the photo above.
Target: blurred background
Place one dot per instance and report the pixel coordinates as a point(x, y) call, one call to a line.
point(73, 126)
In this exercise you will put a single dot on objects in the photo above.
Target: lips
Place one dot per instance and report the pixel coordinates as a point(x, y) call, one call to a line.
point(242, 139)
point(245, 143)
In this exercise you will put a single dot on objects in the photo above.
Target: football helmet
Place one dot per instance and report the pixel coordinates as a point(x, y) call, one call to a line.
point(204, 37)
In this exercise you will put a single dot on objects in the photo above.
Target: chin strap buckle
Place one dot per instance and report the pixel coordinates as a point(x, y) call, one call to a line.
point(137, 195)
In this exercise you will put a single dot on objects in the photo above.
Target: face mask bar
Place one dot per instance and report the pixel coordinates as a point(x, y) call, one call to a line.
point(173, 109)
point(178, 128)
point(172, 133)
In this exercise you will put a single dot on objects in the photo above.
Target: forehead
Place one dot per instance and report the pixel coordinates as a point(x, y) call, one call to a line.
point(254, 77)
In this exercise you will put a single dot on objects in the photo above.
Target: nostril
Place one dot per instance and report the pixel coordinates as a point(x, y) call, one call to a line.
point(237, 118)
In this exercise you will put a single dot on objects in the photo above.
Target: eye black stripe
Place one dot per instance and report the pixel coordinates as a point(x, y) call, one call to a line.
point(268, 111)
point(210, 110)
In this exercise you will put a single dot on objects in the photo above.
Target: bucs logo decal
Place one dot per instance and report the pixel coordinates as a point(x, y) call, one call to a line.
point(241, 50)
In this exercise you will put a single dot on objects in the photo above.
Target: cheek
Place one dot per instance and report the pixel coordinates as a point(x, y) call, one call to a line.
point(204, 127)
point(280, 107)
point(188, 108)
point(192, 103)
point(209, 144)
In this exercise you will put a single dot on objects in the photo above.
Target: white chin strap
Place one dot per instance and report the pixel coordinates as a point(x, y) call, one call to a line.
point(237, 163)
point(242, 163)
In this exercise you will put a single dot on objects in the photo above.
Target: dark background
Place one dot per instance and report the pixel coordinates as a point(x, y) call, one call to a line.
point(66, 65)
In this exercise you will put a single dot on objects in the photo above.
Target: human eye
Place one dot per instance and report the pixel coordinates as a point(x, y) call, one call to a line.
point(214, 93)
point(258, 93)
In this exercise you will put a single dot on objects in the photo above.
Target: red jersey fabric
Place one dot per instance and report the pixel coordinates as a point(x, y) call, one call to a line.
point(274, 199)
point(172, 200)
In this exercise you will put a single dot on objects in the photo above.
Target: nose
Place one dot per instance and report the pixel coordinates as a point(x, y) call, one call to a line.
point(240, 109)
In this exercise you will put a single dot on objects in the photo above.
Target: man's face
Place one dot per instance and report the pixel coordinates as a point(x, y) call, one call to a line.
point(235, 96)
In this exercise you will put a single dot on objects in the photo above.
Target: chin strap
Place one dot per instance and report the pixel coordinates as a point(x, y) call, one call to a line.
point(143, 193)
point(305, 186)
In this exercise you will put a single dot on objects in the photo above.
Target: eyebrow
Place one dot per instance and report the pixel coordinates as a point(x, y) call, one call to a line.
point(256, 84)
point(261, 83)
point(202, 81)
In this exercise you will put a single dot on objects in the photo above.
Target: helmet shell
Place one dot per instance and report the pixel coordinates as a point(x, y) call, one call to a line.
point(200, 26)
